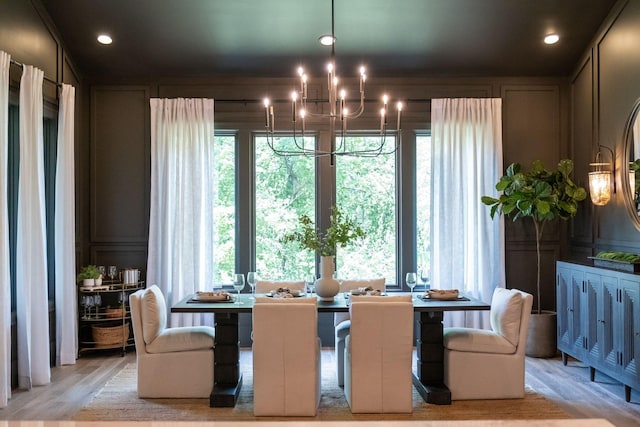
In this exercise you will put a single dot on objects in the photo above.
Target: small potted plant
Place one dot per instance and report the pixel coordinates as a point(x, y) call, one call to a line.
point(341, 232)
point(90, 276)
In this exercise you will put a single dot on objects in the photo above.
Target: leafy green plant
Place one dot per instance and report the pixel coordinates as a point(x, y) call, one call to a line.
point(619, 256)
point(89, 272)
point(539, 194)
point(341, 232)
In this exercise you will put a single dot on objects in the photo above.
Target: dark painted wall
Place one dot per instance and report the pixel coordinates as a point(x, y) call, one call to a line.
point(604, 88)
point(545, 119)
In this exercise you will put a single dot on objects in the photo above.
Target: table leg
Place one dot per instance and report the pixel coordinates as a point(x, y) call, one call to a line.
point(430, 377)
point(226, 371)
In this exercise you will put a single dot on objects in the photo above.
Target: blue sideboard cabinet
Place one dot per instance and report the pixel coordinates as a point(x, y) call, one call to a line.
point(599, 320)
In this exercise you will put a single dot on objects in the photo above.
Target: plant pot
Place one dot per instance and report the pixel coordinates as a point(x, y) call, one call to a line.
point(97, 282)
point(88, 283)
point(326, 286)
point(542, 335)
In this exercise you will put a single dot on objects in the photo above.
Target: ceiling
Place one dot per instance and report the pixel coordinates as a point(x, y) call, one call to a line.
point(173, 38)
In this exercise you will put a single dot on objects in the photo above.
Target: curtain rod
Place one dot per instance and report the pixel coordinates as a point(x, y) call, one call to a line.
point(13, 61)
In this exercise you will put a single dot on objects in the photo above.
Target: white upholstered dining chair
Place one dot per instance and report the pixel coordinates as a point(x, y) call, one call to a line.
point(342, 321)
point(490, 364)
point(286, 357)
point(171, 362)
point(378, 355)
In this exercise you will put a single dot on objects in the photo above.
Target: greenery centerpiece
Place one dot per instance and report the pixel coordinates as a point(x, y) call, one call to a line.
point(342, 231)
point(541, 195)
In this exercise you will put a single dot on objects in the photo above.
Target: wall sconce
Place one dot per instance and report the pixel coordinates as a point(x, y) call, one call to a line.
point(601, 179)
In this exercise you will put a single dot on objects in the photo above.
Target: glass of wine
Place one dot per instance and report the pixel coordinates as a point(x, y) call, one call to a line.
point(252, 278)
point(411, 281)
point(238, 285)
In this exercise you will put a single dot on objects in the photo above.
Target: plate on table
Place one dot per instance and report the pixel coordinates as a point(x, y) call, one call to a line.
point(367, 292)
point(212, 297)
point(289, 293)
point(443, 295)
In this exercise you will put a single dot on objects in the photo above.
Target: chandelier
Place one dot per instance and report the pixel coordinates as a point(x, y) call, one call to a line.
point(338, 113)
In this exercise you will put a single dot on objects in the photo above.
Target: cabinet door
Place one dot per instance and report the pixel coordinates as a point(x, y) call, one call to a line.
point(591, 327)
point(628, 330)
point(569, 291)
point(606, 319)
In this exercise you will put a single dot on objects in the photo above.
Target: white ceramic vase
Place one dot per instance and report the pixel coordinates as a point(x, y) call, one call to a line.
point(326, 286)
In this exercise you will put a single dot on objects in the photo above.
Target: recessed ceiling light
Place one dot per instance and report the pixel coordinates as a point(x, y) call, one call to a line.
point(104, 39)
point(551, 39)
point(327, 40)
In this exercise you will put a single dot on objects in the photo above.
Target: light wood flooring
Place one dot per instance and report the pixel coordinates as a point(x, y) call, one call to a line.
point(73, 386)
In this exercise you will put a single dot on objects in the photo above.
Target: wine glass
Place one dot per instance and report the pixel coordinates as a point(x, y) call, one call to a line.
point(97, 301)
point(411, 281)
point(103, 271)
point(112, 271)
point(238, 284)
point(252, 278)
point(311, 284)
point(424, 278)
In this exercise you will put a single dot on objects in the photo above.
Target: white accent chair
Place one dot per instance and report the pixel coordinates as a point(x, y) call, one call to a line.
point(286, 357)
point(378, 355)
point(490, 364)
point(264, 286)
point(342, 322)
point(172, 362)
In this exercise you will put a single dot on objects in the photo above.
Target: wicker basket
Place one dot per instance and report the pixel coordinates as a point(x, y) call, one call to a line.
point(114, 313)
point(110, 335)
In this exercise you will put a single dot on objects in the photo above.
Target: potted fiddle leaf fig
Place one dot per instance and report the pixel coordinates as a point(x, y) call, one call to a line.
point(543, 196)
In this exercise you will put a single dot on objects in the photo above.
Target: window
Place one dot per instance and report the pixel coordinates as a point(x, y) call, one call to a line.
point(224, 212)
point(284, 190)
point(366, 190)
point(423, 207)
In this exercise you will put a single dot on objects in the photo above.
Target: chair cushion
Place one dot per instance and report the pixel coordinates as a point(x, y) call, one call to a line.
point(476, 341)
point(154, 314)
point(186, 338)
point(506, 311)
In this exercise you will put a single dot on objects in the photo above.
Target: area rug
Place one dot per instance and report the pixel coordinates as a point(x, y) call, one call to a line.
point(118, 401)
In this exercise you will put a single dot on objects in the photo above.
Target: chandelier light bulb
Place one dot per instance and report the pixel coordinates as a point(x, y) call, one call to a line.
point(343, 94)
point(399, 106)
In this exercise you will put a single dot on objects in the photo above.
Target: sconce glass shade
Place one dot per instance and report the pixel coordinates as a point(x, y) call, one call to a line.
point(600, 187)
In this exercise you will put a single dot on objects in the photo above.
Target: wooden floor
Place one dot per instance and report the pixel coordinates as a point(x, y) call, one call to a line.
point(74, 386)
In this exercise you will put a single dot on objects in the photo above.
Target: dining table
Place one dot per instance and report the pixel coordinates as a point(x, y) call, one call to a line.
point(428, 379)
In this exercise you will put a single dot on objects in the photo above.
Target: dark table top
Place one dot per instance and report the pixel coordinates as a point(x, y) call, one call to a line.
point(339, 304)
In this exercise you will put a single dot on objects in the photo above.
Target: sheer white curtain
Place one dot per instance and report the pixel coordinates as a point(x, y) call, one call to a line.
point(468, 246)
point(5, 278)
point(65, 233)
point(32, 306)
point(182, 194)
